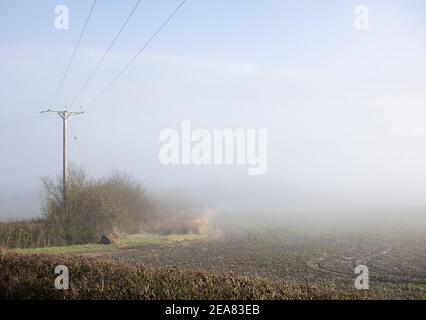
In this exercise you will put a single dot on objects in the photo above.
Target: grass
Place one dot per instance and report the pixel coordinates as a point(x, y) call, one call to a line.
point(134, 240)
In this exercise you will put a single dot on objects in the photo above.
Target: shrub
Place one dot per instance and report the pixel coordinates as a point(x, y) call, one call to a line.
point(177, 215)
point(111, 206)
point(183, 222)
point(94, 207)
point(32, 277)
point(24, 234)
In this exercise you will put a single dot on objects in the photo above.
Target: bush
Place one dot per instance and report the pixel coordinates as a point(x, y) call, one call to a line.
point(183, 222)
point(32, 277)
point(24, 234)
point(176, 214)
point(95, 207)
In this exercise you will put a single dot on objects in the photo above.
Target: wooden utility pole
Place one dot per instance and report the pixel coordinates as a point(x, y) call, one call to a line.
point(64, 114)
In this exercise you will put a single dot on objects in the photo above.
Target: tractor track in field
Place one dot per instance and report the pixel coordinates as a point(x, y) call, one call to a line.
point(318, 264)
point(315, 263)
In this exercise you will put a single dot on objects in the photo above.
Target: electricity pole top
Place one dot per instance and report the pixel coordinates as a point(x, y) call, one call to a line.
point(64, 114)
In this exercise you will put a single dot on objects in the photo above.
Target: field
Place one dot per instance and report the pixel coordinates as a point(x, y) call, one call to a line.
point(250, 258)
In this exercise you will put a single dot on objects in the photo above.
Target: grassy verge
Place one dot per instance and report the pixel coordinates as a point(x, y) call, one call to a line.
point(130, 241)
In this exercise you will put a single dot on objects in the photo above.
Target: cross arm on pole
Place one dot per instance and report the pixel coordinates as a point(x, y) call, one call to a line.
point(64, 114)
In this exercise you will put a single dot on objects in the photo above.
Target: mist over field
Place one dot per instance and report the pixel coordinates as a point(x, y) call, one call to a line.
point(346, 121)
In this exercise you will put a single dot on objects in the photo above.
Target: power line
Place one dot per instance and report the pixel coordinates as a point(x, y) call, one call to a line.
point(73, 54)
point(20, 119)
point(136, 55)
point(25, 122)
point(9, 121)
point(24, 115)
point(30, 118)
point(105, 53)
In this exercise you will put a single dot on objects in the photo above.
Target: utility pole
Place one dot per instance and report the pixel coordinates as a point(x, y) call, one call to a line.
point(64, 114)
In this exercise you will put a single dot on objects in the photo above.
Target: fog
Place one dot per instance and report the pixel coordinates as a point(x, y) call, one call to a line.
point(346, 122)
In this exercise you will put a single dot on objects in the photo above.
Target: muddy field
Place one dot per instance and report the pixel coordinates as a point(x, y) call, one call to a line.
point(396, 261)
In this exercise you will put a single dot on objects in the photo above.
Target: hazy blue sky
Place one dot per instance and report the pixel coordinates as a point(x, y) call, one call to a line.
point(345, 109)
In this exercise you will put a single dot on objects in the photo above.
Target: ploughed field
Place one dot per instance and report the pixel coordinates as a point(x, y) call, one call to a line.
point(396, 260)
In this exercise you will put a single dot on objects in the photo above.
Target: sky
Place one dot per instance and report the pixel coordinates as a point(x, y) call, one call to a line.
point(345, 109)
